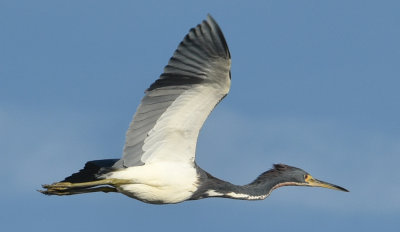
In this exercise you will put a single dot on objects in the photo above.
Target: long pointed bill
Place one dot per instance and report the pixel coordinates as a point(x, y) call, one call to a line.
point(319, 183)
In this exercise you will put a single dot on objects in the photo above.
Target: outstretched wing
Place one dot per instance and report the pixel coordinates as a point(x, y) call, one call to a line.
point(168, 120)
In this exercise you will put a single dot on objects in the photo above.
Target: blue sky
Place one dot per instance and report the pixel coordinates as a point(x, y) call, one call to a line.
point(314, 85)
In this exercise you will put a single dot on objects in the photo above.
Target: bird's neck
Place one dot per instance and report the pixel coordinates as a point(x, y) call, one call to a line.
point(259, 189)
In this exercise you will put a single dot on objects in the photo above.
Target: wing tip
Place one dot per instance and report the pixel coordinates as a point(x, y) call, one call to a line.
point(209, 45)
point(213, 23)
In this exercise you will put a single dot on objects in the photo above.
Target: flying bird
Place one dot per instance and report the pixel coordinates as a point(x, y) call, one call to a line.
point(158, 161)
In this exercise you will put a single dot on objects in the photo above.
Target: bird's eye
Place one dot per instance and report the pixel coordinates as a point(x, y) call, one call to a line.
point(305, 177)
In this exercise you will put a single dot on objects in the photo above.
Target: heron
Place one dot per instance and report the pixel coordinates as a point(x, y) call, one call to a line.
point(158, 161)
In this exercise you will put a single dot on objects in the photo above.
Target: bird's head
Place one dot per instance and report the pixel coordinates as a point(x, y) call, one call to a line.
point(286, 175)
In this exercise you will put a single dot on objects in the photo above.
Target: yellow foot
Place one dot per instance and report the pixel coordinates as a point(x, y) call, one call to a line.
point(57, 186)
point(54, 192)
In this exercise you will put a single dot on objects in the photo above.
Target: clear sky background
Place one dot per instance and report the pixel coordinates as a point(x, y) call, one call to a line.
point(315, 84)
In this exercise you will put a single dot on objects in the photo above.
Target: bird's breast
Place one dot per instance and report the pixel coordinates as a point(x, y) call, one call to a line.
point(159, 183)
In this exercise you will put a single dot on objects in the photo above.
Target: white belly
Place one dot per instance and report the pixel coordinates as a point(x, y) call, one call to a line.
point(158, 183)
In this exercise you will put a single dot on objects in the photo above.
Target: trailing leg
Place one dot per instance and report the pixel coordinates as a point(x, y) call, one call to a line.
point(104, 189)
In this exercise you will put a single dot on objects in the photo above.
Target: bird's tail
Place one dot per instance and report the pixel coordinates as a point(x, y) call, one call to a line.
point(90, 171)
point(84, 181)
